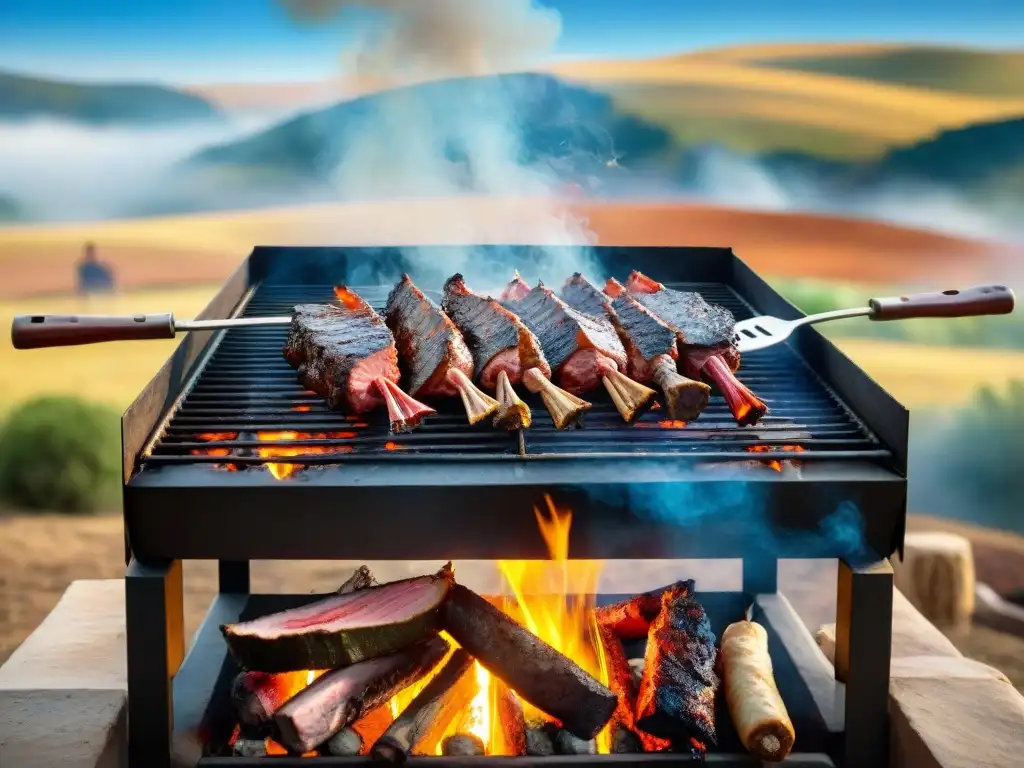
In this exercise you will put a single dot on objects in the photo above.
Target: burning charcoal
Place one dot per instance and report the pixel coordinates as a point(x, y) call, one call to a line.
point(542, 676)
point(621, 681)
point(437, 362)
point(372, 726)
point(631, 619)
point(345, 743)
point(249, 748)
point(567, 744)
point(424, 721)
point(361, 578)
point(462, 745)
point(677, 692)
point(345, 353)
point(511, 720)
point(584, 350)
point(338, 699)
point(343, 628)
point(258, 695)
point(539, 742)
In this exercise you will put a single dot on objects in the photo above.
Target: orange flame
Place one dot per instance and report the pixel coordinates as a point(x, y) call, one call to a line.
point(774, 463)
point(349, 299)
point(302, 408)
point(672, 424)
point(389, 446)
point(216, 437)
point(282, 470)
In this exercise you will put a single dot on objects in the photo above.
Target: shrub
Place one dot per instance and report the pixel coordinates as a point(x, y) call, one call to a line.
point(60, 454)
point(969, 466)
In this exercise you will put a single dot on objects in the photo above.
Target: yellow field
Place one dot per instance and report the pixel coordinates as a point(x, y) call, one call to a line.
point(113, 374)
point(739, 91)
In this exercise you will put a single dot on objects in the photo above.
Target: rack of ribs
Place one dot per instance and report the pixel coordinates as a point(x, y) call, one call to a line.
point(432, 351)
point(345, 353)
point(650, 344)
point(705, 337)
point(505, 353)
point(584, 350)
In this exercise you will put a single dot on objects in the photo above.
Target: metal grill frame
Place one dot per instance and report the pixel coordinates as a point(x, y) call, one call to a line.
point(237, 517)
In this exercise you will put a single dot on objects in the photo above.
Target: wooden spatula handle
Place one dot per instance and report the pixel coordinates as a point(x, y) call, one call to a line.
point(36, 331)
point(970, 302)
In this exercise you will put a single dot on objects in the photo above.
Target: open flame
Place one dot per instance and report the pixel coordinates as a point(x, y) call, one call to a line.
point(216, 437)
point(775, 463)
point(348, 299)
point(282, 470)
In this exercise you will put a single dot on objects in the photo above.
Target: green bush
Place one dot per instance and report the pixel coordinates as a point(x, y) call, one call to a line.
point(60, 454)
point(970, 465)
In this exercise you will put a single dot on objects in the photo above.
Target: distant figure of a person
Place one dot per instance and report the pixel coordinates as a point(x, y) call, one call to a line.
point(93, 275)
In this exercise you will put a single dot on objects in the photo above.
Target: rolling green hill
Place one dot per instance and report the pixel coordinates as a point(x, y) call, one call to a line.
point(957, 70)
point(23, 97)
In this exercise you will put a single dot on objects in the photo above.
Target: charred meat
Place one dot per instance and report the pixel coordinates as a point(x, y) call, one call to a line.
point(705, 333)
point(502, 344)
point(345, 353)
point(676, 700)
point(649, 342)
point(584, 350)
point(437, 361)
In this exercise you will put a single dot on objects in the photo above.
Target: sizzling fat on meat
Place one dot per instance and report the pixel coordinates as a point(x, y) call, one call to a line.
point(436, 359)
point(346, 354)
point(705, 333)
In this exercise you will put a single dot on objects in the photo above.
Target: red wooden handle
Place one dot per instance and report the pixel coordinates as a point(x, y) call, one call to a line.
point(35, 331)
point(970, 302)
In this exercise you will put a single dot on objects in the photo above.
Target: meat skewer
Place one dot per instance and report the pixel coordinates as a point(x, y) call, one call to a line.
point(542, 676)
point(651, 349)
point(506, 352)
point(757, 709)
point(436, 359)
point(705, 335)
point(584, 350)
point(676, 699)
point(346, 354)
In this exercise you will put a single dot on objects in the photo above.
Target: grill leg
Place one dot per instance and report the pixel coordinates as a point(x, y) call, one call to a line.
point(155, 629)
point(233, 576)
point(863, 653)
point(760, 575)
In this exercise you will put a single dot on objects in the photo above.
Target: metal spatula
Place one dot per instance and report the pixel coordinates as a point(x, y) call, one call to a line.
point(763, 332)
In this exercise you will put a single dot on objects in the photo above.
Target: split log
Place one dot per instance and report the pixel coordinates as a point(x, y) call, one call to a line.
point(342, 629)
point(341, 697)
point(428, 716)
point(631, 619)
point(624, 735)
point(937, 577)
point(511, 721)
point(676, 700)
point(756, 708)
point(462, 745)
point(541, 675)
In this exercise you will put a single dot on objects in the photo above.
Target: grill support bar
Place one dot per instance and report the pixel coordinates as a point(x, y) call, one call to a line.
point(155, 640)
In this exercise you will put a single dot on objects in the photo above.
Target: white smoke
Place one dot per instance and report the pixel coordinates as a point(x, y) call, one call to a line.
point(61, 170)
point(405, 145)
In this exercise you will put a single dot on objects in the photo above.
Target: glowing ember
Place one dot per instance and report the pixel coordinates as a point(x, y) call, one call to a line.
point(302, 408)
point(671, 424)
point(282, 470)
point(347, 298)
point(655, 406)
point(774, 463)
point(216, 437)
point(389, 446)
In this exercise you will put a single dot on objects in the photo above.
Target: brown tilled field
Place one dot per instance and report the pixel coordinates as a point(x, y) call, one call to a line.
point(206, 248)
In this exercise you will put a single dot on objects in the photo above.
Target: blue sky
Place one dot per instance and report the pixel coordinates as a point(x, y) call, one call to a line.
point(204, 41)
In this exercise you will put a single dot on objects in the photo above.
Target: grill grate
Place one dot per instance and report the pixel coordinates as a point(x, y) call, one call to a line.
point(248, 408)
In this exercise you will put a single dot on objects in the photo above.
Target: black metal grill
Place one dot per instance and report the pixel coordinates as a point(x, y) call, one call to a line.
point(247, 407)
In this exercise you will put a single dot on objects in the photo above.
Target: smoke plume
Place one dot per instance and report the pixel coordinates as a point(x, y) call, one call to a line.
point(447, 141)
